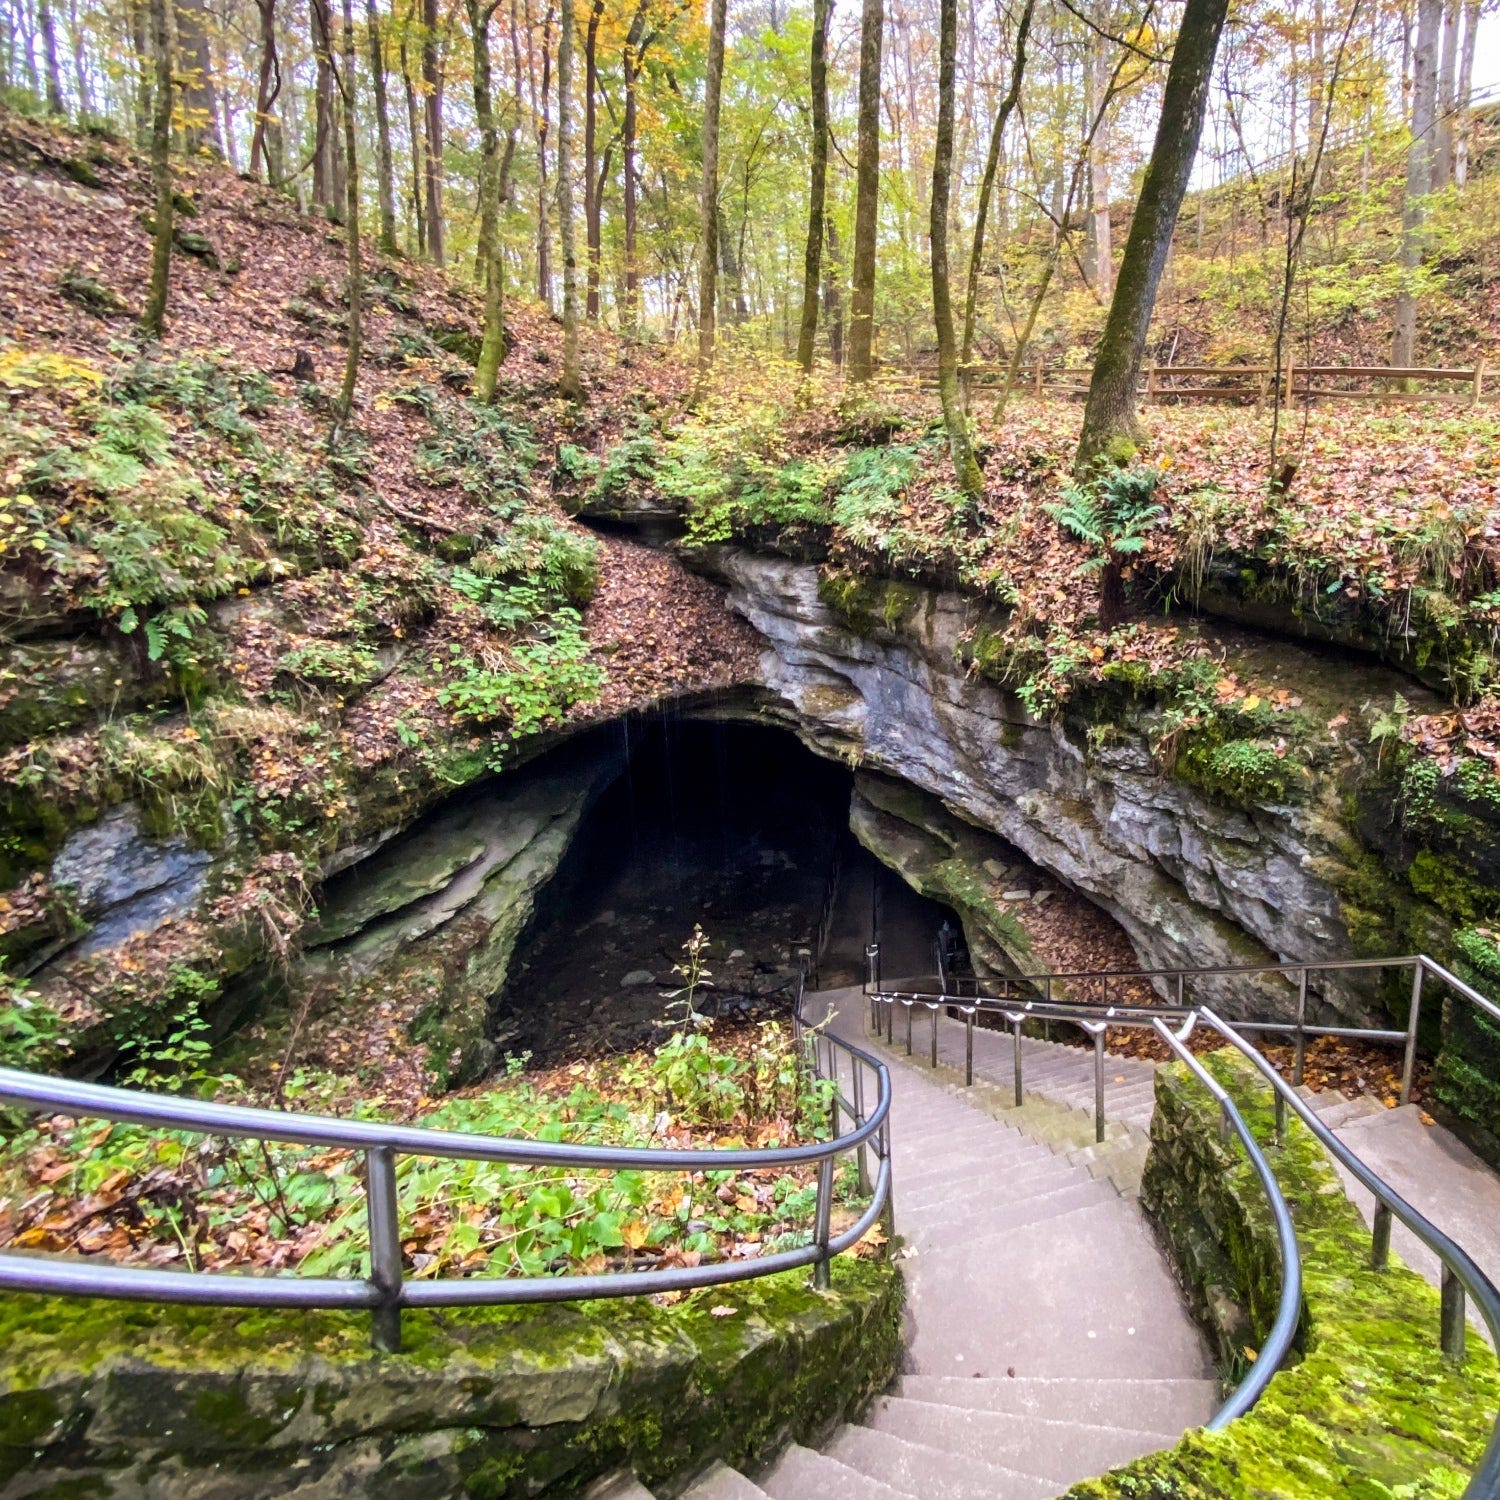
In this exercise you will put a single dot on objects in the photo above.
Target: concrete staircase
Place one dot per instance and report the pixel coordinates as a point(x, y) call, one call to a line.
point(1047, 1340)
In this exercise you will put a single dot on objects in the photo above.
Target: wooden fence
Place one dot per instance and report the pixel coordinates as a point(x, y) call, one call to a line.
point(1257, 383)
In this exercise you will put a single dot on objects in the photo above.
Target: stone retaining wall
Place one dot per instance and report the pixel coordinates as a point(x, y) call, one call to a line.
point(122, 1400)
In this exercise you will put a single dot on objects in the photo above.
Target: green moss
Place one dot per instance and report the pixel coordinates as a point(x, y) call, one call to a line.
point(1369, 1407)
point(487, 1403)
point(1246, 773)
point(868, 604)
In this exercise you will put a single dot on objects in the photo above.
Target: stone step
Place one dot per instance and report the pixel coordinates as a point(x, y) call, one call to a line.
point(1349, 1110)
point(802, 1474)
point(1087, 1293)
point(720, 1482)
point(926, 1191)
point(1012, 1185)
point(1149, 1405)
point(1061, 1451)
point(999, 1219)
point(927, 1472)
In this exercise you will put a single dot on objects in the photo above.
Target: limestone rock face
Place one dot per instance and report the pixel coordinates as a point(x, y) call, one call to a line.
point(124, 882)
point(1193, 882)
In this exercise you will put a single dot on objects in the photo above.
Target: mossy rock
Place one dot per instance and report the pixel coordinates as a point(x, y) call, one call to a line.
point(96, 1397)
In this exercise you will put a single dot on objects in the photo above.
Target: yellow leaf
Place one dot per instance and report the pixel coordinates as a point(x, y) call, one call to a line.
point(634, 1233)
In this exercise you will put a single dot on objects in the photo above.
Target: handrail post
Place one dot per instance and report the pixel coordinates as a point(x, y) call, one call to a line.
point(857, 1068)
point(1301, 1044)
point(872, 966)
point(969, 1049)
point(1452, 1330)
point(1099, 1084)
point(382, 1211)
point(1380, 1239)
point(822, 1276)
point(910, 1004)
point(934, 1009)
point(1280, 1117)
point(1015, 1026)
point(1409, 1058)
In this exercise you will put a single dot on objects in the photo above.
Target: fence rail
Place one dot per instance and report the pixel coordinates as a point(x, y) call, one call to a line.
point(386, 1291)
point(1259, 383)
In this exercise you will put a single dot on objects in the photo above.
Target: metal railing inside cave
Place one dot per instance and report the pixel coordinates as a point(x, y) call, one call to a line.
point(387, 1289)
point(1030, 999)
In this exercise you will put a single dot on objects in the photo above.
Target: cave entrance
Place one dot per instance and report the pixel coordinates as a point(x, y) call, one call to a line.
point(737, 827)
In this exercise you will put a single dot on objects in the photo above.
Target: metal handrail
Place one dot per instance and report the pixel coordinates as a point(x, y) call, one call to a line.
point(386, 1291)
point(1278, 1342)
point(1461, 1277)
point(1421, 965)
point(1460, 1274)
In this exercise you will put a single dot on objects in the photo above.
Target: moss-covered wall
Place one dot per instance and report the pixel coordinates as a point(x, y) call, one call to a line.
point(1466, 1076)
point(1367, 1408)
point(121, 1400)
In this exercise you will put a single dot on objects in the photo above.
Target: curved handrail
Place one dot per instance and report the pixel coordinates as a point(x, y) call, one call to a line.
point(1461, 1277)
point(1278, 1342)
point(386, 1291)
point(1459, 1267)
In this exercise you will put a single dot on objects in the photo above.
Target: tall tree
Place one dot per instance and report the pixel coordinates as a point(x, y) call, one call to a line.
point(153, 319)
point(48, 29)
point(1447, 95)
point(432, 93)
point(570, 385)
point(540, 104)
point(140, 34)
point(593, 177)
point(351, 219)
point(384, 184)
point(991, 169)
point(1418, 177)
point(265, 135)
point(415, 134)
point(1465, 94)
point(1109, 421)
point(861, 351)
point(817, 194)
point(196, 70)
point(480, 14)
point(1101, 240)
point(321, 26)
point(955, 415)
point(632, 64)
point(708, 218)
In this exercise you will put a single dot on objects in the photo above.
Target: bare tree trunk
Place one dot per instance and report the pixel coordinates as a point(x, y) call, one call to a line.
point(861, 357)
point(833, 312)
point(48, 29)
point(991, 167)
point(195, 67)
point(140, 33)
point(322, 46)
point(1101, 240)
point(351, 219)
point(955, 416)
point(634, 49)
point(1447, 96)
point(1109, 422)
point(265, 138)
point(593, 179)
point(432, 80)
point(418, 162)
point(480, 13)
point(153, 319)
point(384, 173)
point(1465, 94)
point(817, 194)
point(1418, 177)
point(543, 197)
point(571, 385)
point(708, 215)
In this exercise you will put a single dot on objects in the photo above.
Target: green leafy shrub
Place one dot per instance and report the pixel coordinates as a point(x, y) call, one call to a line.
point(1112, 514)
point(331, 664)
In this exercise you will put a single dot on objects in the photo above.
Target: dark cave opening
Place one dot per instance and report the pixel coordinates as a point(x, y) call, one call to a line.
point(735, 827)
